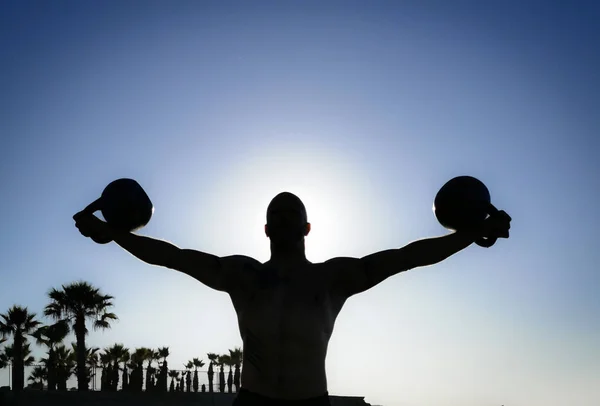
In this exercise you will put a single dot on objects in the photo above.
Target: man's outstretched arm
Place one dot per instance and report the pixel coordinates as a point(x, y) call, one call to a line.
point(355, 275)
point(219, 273)
point(350, 276)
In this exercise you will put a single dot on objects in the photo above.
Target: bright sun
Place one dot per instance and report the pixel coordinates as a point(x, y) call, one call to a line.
point(330, 192)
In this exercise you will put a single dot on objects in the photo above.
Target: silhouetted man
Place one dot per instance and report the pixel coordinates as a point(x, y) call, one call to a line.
point(287, 307)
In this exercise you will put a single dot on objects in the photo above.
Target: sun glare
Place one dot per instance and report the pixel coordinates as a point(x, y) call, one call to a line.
point(324, 182)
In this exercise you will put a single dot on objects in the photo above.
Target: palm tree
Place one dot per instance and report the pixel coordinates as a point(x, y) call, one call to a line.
point(226, 360)
point(94, 363)
point(163, 377)
point(37, 377)
point(137, 369)
point(222, 360)
point(163, 352)
point(125, 357)
point(9, 357)
point(91, 358)
point(65, 365)
point(116, 354)
point(212, 357)
point(150, 355)
point(50, 336)
point(18, 323)
point(236, 356)
point(188, 376)
point(174, 375)
point(75, 303)
point(105, 363)
point(198, 363)
point(9, 354)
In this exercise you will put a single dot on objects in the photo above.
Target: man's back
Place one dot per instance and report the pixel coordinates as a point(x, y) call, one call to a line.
point(286, 316)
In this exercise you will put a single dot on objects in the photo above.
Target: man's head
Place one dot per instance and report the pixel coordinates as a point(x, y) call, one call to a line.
point(287, 222)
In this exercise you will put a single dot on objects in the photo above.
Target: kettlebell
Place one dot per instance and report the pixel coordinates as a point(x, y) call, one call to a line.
point(124, 205)
point(463, 203)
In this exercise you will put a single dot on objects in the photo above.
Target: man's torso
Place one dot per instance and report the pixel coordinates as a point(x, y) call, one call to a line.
point(286, 318)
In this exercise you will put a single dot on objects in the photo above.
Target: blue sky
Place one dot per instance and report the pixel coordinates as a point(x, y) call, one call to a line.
point(364, 109)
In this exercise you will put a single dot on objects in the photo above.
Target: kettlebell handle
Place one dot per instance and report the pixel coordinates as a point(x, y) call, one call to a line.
point(486, 242)
point(95, 206)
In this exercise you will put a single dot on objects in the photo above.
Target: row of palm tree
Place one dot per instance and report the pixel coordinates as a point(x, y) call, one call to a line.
point(73, 308)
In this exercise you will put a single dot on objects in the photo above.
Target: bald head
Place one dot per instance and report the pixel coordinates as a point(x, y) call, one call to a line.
point(286, 218)
point(286, 201)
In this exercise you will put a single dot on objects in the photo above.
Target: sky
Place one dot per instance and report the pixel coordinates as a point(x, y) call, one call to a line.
point(364, 110)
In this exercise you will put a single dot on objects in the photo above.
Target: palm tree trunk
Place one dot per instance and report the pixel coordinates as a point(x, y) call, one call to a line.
point(221, 380)
point(188, 381)
point(103, 379)
point(236, 377)
point(139, 378)
point(114, 384)
point(229, 379)
point(164, 376)
point(149, 376)
point(61, 378)
point(51, 370)
point(195, 380)
point(210, 377)
point(82, 381)
point(18, 370)
point(125, 378)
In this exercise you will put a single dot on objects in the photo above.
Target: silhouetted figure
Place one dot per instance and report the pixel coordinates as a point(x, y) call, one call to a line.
point(288, 305)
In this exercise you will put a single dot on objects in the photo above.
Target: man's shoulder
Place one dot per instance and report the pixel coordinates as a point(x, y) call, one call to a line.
point(241, 266)
point(244, 271)
point(343, 273)
point(340, 263)
point(242, 261)
point(333, 269)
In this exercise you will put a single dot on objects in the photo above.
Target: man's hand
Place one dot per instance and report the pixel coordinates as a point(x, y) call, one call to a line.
point(497, 225)
point(91, 226)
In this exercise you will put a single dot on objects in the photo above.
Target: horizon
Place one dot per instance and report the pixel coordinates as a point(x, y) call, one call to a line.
point(363, 111)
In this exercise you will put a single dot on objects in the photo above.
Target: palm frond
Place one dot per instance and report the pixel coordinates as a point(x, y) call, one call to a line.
point(163, 352)
point(18, 320)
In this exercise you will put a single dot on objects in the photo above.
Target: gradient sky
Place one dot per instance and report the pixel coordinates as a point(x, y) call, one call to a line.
point(364, 109)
